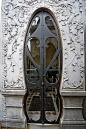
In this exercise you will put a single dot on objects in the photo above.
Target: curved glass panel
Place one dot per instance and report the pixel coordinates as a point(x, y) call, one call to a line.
point(34, 50)
point(52, 104)
point(52, 44)
point(34, 25)
point(32, 72)
point(52, 75)
point(33, 105)
point(50, 25)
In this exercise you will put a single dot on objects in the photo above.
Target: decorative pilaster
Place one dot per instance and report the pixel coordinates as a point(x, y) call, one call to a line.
point(72, 110)
point(13, 108)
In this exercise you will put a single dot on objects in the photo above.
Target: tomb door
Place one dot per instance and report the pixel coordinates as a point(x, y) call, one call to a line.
point(43, 66)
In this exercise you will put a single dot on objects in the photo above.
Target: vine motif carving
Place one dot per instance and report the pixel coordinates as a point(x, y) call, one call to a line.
point(69, 16)
point(15, 20)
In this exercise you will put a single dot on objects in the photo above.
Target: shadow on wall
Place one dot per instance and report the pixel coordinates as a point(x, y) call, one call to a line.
point(84, 108)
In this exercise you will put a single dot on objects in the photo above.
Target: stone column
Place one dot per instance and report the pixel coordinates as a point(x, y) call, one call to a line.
point(72, 110)
point(13, 109)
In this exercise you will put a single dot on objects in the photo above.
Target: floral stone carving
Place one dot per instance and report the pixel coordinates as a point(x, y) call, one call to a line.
point(15, 18)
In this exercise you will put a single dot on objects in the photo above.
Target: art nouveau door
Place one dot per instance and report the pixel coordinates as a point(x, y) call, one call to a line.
point(42, 65)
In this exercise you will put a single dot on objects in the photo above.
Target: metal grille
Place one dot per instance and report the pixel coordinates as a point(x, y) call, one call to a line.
point(46, 73)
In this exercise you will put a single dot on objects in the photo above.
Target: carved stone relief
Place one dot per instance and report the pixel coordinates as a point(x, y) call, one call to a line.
point(69, 17)
point(15, 18)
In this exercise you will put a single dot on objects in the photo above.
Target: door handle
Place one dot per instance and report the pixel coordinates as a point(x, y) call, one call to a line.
point(42, 83)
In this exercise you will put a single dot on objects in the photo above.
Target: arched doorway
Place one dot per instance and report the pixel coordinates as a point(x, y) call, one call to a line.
point(43, 66)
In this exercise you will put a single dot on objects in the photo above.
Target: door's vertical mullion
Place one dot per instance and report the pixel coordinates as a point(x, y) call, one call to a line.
point(41, 71)
point(44, 58)
point(43, 66)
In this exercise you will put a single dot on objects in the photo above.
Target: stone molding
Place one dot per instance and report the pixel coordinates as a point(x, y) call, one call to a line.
point(13, 92)
point(17, 123)
point(73, 93)
point(12, 108)
point(72, 116)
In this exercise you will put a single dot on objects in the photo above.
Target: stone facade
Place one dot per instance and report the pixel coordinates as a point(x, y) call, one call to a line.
point(70, 16)
point(15, 18)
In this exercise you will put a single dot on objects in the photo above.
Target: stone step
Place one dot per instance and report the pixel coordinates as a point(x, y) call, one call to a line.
point(43, 126)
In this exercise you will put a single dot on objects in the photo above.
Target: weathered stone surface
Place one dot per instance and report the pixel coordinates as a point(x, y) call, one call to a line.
point(17, 123)
point(70, 16)
point(84, 108)
point(15, 18)
point(40, 126)
point(13, 112)
point(14, 101)
point(72, 110)
point(12, 109)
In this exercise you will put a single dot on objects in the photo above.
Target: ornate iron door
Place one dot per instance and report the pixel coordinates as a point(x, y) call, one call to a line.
point(43, 66)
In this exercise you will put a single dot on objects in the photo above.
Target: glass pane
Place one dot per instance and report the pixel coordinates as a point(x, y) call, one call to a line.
point(52, 104)
point(50, 25)
point(32, 72)
point(53, 72)
point(52, 44)
point(34, 50)
point(33, 105)
point(34, 25)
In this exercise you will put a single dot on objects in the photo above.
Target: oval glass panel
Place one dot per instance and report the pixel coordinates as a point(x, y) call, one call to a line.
point(52, 104)
point(50, 25)
point(33, 105)
point(34, 25)
point(52, 46)
point(34, 50)
point(32, 72)
point(52, 75)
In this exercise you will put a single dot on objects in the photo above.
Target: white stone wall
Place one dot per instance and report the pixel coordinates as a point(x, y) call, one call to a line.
point(15, 19)
point(0, 64)
point(16, 15)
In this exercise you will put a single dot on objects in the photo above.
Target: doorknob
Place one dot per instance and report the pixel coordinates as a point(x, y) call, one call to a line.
point(42, 83)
